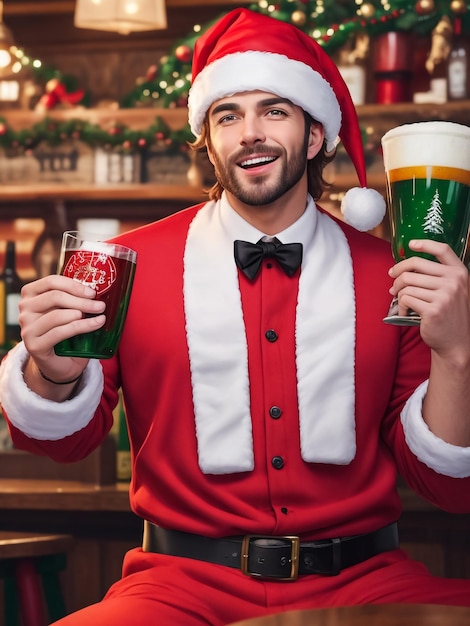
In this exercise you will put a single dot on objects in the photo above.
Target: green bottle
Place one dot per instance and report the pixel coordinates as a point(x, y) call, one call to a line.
point(10, 293)
point(123, 450)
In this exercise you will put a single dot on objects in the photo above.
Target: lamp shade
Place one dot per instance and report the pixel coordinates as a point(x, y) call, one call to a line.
point(122, 16)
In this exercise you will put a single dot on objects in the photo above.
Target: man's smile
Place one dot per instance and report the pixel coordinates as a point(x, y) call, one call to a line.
point(257, 161)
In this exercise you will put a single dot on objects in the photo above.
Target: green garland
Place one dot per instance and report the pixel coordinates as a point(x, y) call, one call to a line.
point(117, 137)
point(332, 23)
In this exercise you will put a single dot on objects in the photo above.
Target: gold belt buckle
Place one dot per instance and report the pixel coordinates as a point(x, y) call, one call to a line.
point(294, 555)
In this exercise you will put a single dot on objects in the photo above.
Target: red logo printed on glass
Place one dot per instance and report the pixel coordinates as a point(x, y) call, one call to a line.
point(94, 269)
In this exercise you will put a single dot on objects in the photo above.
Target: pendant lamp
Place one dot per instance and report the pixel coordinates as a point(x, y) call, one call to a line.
point(121, 16)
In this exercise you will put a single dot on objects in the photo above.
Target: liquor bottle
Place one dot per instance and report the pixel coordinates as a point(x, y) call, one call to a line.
point(46, 250)
point(123, 454)
point(458, 87)
point(352, 69)
point(10, 289)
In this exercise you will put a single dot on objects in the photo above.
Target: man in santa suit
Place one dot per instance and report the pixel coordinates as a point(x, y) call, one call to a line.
point(264, 394)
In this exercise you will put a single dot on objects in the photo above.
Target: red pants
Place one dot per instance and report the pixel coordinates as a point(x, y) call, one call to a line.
point(169, 591)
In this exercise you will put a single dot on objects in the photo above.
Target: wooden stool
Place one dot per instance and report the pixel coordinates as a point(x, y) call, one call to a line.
point(26, 561)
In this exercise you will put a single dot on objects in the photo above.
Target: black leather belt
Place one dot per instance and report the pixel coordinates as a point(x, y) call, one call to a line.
point(280, 557)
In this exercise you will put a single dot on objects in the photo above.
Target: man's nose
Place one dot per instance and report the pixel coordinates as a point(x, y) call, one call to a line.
point(252, 130)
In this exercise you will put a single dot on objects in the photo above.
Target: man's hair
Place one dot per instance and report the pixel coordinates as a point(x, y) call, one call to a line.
point(316, 183)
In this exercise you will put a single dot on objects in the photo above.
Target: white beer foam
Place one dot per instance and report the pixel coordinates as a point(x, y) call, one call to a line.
point(445, 144)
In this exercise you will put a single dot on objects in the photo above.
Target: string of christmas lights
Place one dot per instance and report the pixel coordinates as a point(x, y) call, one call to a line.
point(332, 23)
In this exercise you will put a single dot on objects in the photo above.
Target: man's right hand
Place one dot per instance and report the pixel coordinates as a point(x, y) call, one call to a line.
point(51, 309)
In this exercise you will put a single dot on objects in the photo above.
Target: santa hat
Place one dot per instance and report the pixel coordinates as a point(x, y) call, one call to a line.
point(248, 51)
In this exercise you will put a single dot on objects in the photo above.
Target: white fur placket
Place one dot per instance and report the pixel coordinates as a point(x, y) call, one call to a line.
point(325, 339)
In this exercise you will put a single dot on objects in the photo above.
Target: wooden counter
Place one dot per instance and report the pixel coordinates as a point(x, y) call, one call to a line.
point(104, 527)
point(372, 615)
point(56, 495)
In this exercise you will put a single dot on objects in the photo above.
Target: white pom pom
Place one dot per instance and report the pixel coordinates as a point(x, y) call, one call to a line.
point(363, 208)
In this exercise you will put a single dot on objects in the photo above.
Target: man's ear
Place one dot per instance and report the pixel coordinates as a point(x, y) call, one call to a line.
point(209, 153)
point(315, 140)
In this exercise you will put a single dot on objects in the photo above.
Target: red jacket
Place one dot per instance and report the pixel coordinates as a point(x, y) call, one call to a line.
point(313, 500)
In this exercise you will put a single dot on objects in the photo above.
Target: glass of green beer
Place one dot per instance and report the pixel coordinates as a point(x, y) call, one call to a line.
point(427, 167)
point(109, 269)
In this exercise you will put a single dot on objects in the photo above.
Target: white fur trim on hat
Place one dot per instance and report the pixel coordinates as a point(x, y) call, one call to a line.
point(265, 71)
point(363, 208)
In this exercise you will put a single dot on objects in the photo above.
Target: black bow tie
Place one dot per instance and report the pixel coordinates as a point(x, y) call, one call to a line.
point(249, 256)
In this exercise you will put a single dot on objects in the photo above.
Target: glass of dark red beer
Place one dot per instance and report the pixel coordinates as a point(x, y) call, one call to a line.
point(108, 268)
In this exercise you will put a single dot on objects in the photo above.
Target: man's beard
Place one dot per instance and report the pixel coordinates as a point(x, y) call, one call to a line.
point(259, 191)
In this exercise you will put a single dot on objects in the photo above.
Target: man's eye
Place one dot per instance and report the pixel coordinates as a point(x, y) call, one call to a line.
point(227, 118)
point(276, 113)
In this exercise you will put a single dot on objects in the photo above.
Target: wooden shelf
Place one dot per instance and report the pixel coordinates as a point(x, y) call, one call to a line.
point(119, 192)
point(384, 115)
point(379, 117)
point(133, 118)
point(342, 182)
point(405, 112)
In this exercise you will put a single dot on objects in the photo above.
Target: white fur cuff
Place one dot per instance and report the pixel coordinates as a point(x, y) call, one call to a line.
point(444, 458)
point(43, 419)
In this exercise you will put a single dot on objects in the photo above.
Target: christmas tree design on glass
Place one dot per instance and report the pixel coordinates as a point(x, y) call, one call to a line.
point(433, 220)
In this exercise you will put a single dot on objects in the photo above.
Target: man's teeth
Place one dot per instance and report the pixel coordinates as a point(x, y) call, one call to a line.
point(257, 161)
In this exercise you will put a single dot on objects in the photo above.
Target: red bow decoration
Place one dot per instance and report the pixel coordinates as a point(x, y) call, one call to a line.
point(56, 94)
